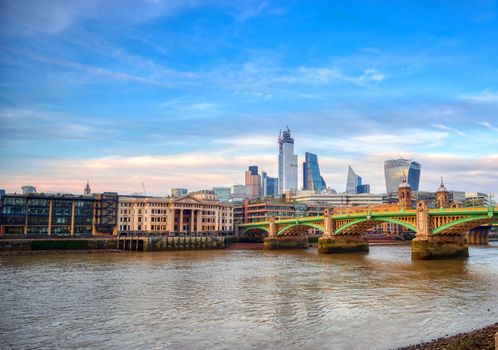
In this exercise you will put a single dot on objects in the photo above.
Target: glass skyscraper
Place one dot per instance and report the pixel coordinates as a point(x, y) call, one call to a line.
point(396, 169)
point(287, 163)
point(353, 181)
point(312, 180)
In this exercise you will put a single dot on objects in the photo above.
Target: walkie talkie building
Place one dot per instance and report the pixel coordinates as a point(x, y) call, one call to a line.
point(396, 169)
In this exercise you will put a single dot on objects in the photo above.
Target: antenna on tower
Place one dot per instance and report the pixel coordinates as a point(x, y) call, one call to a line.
point(143, 187)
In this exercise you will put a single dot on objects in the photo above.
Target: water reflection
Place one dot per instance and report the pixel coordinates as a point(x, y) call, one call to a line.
point(243, 299)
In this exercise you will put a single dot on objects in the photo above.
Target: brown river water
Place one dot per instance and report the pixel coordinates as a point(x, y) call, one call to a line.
point(233, 299)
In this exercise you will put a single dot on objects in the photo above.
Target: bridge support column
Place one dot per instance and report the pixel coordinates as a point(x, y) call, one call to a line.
point(285, 242)
point(427, 246)
point(342, 244)
point(274, 242)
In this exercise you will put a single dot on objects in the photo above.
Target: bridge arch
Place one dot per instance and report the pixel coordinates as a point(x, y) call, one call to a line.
point(374, 221)
point(265, 231)
point(303, 225)
point(464, 224)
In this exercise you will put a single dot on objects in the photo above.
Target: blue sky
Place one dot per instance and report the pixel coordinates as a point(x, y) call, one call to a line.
point(189, 93)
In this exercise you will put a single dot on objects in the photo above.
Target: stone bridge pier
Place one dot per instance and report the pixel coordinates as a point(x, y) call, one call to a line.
point(336, 243)
point(479, 235)
point(427, 246)
point(275, 242)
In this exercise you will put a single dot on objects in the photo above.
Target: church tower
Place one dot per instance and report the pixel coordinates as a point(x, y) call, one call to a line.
point(405, 195)
point(442, 196)
point(87, 191)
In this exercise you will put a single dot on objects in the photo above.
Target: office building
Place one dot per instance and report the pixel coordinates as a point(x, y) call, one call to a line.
point(58, 215)
point(270, 185)
point(223, 193)
point(287, 163)
point(28, 189)
point(2, 193)
point(353, 181)
point(361, 189)
point(253, 182)
point(254, 211)
point(312, 179)
point(338, 200)
point(476, 199)
point(395, 170)
point(178, 192)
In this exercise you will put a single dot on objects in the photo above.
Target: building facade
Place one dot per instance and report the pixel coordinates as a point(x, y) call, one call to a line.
point(253, 181)
point(338, 200)
point(254, 211)
point(353, 181)
point(178, 192)
point(223, 193)
point(361, 189)
point(395, 170)
point(270, 187)
point(195, 213)
point(476, 199)
point(287, 163)
point(312, 179)
point(48, 215)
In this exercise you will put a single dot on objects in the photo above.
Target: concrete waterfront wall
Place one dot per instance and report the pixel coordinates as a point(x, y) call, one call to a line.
point(174, 243)
point(57, 244)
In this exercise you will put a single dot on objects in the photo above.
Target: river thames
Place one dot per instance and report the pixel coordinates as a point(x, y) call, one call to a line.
point(235, 299)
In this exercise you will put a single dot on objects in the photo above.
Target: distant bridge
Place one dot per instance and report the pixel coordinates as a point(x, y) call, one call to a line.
point(428, 224)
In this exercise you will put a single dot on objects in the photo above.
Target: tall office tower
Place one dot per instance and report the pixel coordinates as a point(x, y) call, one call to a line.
point(263, 183)
point(253, 181)
point(287, 163)
point(87, 191)
point(353, 181)
point(395, 170)
point(312, 180)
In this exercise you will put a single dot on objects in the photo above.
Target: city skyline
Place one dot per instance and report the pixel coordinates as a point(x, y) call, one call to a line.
point(188, 95)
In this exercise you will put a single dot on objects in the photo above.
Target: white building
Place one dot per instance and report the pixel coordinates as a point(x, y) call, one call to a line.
point(338, 200)
point(194, 213)
point(287, 163)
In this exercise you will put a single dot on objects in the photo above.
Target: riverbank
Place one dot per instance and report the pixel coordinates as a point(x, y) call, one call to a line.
point(480, 339)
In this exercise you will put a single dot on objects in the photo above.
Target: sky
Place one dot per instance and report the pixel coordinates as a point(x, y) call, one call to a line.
point(187, 93)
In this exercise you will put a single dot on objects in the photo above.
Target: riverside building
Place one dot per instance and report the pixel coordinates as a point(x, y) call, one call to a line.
point(196, 213)
point(40, 214)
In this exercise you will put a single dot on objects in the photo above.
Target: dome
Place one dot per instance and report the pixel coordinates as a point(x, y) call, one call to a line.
point(404, 184)
point(441, 187)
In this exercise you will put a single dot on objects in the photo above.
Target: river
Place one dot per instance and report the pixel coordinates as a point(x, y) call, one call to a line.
point(233, 299)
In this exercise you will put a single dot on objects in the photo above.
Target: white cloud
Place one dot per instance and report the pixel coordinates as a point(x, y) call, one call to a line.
point(489, 126)
point(487, 95)
point(448, 128)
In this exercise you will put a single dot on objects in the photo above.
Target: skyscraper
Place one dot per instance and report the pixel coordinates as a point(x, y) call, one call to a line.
point(287, 163)
point(395, 170)
point(353, 181)
point(312, 180)
point(253, 181)
point(269, 185)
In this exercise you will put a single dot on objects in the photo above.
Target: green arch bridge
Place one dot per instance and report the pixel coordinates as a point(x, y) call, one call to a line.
point(440, 233)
